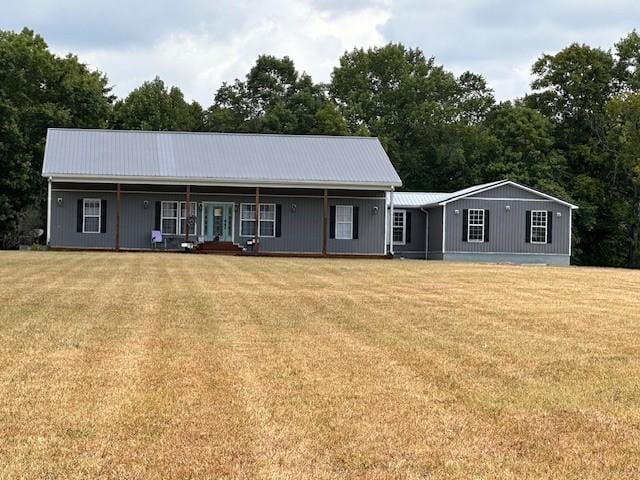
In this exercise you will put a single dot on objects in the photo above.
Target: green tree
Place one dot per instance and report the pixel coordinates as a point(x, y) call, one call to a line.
point(623, 122)
point(154, 106)
point(628, 64)
point(424, 115)
point(39, 90)
point(524, 149)
point(274, 98)
point(573, 88)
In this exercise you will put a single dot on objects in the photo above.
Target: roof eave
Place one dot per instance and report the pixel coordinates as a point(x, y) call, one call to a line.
point(509, 182)
point(386, 186)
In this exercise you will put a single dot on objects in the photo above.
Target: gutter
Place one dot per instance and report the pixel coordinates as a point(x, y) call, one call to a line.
point(226, 183)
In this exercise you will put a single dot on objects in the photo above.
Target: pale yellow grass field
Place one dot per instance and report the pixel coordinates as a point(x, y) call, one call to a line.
point(187, 366)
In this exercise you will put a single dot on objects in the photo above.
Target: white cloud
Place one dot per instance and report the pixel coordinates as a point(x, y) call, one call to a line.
point(199, 61)
point(198, 44)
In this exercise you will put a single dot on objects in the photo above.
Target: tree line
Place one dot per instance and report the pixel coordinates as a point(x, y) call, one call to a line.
point(576, 135)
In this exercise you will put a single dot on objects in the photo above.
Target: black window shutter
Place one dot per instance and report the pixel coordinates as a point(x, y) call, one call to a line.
point(158, 210)
point(79, 215)
point(103, 216)
point(465, 225)
point(549, 226)
point(528, 227)
point(486, 225)
point(278, 219)
point(407, 228)
point(356, 220)
point(332, 222)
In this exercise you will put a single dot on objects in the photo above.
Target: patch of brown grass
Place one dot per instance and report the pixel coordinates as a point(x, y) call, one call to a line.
point(156, 365)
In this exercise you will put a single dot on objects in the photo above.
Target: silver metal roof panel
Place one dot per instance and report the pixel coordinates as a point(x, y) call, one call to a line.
point(250, 158)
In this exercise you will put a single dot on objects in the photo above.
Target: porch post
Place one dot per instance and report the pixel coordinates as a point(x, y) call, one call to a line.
point(391, 222)
point(187, 208)
point(426, 235)
point(117, 217)
point(325, 215)
point(256, 238)
point(49, 213)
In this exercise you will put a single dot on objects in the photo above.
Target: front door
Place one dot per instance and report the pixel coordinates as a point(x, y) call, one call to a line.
point(217, 221)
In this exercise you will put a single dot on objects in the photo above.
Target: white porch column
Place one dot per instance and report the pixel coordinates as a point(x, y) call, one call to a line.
point(49, 212)
point(391, 221)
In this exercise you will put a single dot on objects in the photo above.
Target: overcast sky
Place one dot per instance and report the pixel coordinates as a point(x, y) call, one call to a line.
point(198, 44)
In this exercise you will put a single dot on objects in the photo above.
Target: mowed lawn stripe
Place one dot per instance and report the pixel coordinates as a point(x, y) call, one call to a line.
point(188, 366)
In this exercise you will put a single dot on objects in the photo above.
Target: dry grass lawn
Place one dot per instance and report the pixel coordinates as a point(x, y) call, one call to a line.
point(189, 366)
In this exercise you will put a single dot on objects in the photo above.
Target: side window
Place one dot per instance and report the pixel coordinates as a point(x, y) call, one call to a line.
point(475, 225)
point(169, 218)
point(539, 224)
point(344, 222)
point(399, 227)
point(91, 211)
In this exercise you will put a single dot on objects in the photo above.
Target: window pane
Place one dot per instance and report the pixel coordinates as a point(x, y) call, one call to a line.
point(538, 234)
point(247, 228)
point(192, 228)
point(169, 209)
point(248, 211)
point(476, 217)
point(267, 212)
point(92, 224)
point(398, 219)
point(92, 207)
point(397, 234)
point(343, 231)
point(344, 213)
point(169, 226)
point(267, 228)
point(475, 232)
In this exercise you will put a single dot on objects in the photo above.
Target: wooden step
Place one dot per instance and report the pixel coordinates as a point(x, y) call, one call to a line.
point(219, 247)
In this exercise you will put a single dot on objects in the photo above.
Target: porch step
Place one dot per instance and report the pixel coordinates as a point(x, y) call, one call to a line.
point(219, 247)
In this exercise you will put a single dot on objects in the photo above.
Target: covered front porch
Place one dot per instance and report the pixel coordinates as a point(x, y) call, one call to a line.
point(252, 220)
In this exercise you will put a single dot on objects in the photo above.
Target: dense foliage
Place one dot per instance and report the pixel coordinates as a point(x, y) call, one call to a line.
point(576, 135)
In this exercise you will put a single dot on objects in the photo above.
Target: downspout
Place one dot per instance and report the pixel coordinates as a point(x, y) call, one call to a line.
point(426, 233)
point(444, 228)
point(49, 212)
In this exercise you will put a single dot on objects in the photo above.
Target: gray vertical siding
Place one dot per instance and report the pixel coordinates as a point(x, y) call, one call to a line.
point(301, 226)
point(507, 229)
point(507, 191)
point(415, 248)
point(64, 221)
point(435, 233)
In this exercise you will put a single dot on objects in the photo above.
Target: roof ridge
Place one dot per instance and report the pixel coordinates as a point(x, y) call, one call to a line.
point(183, 132)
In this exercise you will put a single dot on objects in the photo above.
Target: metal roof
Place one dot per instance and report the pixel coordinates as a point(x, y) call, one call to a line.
point(424, 199)
point(416, 199)
point(217, 157)
point(430, 199)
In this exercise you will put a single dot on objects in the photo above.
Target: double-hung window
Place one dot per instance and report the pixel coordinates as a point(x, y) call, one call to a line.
point(267, 220)
point(344, 222)
point(539, 226)
point(91, 215)
point(475, 225)
point(173, 218)
point(399, 227)
point(184, 218)
point(169, 218)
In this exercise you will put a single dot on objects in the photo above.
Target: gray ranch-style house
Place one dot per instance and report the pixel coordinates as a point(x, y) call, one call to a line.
point(235, 193)
point(281, 194)
point(494, 222)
